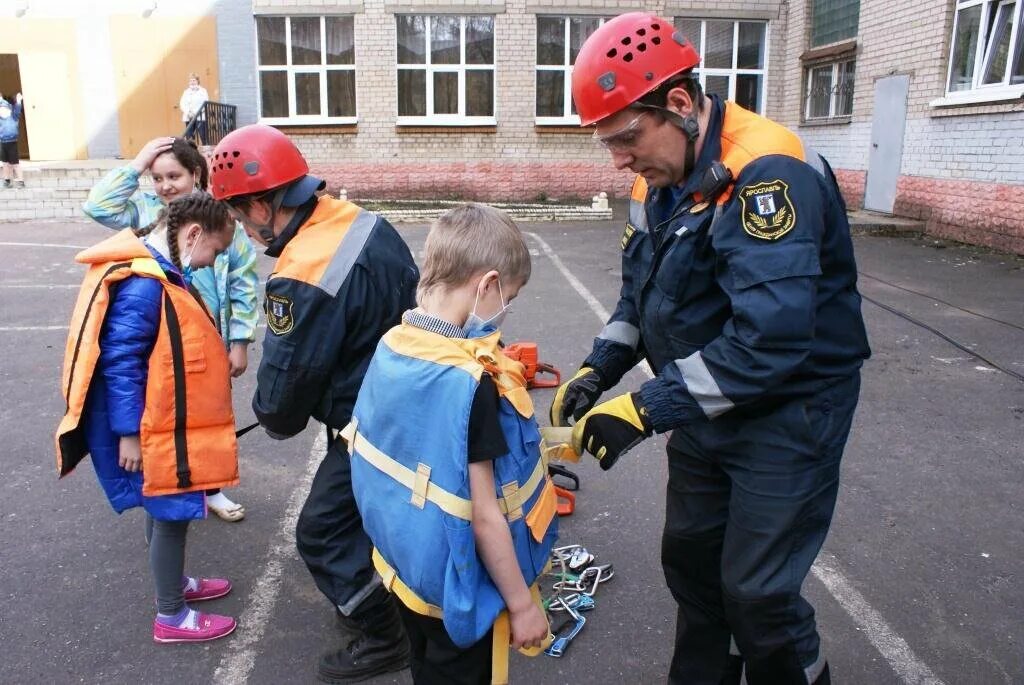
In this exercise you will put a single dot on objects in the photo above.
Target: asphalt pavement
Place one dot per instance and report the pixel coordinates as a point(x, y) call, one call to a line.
point(919, 580)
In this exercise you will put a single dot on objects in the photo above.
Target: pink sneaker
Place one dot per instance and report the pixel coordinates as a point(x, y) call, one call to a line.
point(206, 588)
point(208, 627)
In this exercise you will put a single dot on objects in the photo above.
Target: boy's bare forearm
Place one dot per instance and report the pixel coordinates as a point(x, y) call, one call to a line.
point(494, 540)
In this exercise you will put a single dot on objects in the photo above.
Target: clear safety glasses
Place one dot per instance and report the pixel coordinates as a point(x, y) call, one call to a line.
point(624, 138)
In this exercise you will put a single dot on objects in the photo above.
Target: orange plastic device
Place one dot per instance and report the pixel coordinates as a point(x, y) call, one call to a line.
point(526, 354)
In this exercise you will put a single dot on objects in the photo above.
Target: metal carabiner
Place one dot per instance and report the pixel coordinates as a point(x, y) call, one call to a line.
point(561, 642)
point(601, 574)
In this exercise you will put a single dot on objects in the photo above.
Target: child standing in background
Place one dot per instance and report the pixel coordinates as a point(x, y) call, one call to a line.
point(10, 122)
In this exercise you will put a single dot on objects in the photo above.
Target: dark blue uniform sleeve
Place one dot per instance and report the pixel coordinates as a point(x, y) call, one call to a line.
point(297, 363)
point(126, 343)
point(767, 243)
point(617, 348)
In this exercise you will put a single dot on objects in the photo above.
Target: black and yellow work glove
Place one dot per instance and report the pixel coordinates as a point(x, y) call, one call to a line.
point(576, 396)
point(611, 428)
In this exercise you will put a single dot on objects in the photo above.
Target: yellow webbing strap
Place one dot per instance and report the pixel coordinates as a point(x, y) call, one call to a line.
point(516, 497)
point(449, 503)
point(422, 489)
point(503, 637)
point(394, 584)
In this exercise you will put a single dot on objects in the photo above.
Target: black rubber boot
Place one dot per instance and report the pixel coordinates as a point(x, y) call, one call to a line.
point(374, 642)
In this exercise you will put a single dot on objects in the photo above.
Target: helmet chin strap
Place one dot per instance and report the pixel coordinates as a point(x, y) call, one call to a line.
point(690, 126)
point(266, 230)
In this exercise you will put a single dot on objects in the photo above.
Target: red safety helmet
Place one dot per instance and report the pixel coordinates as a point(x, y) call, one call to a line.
point(254, 159)
point(623, 60)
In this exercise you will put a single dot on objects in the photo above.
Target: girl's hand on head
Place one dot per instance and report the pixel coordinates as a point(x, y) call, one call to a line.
point(150, 152)
point(130, 449)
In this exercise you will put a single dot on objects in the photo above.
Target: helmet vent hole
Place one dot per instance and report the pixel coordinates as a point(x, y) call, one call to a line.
point(612, 53)
point(656, 27)
point(628, 57)
point(236, 153)
point(656, 40)
point(641, 32)
point(230, 165)
point(627, 40)
point(641, 47)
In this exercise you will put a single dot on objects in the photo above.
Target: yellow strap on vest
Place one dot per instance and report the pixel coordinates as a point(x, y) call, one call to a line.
point(418, 482)
point(394, 584)
point(449, 503)
point(502, 635)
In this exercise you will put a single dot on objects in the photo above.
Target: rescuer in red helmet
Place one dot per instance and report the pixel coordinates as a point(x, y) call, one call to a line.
point(343, 278)
point(739, 289)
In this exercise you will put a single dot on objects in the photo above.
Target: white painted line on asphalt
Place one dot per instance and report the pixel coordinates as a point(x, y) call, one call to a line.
point(237, 664)
point(894, 648)
point(890, 645)
point(577, 285)
point(71, 247)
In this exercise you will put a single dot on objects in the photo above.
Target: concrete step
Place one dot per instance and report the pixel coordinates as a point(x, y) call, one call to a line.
point(864, 222)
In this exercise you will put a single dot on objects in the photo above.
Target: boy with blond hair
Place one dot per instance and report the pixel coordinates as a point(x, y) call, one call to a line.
point(446, 465)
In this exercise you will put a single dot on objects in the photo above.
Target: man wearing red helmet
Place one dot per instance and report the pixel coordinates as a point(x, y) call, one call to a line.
point(343, 278)
point(739, 288)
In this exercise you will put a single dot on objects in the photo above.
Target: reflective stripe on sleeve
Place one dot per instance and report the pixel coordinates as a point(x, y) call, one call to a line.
point(702, 386)
point(621, 332)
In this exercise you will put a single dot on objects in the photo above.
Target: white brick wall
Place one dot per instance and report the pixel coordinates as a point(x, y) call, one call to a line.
point(515, 137)
point(908, 37)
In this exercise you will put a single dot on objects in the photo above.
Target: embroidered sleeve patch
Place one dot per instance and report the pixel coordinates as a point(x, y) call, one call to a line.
point(279, 314)
point(627, 235)
point(767, 211)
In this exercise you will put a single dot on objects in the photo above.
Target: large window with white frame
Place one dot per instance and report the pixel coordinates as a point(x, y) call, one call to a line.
point(987, 51)
point(307, 69)
point(733, 58)
point(829, 91)
point(559, 40)
point(445, 69)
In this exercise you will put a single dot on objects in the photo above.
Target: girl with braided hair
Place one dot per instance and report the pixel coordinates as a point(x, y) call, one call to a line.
point(178, 168)
point(148, 393)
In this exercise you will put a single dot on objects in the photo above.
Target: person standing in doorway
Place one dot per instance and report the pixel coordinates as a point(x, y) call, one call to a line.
point(10, 124)
point(192, 100)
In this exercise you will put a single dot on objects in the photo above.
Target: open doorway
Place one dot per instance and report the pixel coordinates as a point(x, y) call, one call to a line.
point(10, 85)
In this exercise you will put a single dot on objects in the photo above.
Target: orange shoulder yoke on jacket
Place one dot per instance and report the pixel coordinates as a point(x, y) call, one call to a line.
point(306, 256)
point(747, 137)
point(120, 246)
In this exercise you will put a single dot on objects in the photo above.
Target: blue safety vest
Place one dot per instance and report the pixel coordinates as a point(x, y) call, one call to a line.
point(409, 445)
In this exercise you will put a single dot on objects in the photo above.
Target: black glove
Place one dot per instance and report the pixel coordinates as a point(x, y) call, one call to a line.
point(611, 429)
point(575, 397)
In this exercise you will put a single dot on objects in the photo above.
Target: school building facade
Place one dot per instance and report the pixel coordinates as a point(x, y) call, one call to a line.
point(917, 104)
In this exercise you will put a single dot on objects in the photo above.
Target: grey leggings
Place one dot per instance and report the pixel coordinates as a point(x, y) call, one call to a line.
point(167, 562)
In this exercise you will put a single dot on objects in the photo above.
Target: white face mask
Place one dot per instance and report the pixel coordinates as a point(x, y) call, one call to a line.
point(476, 327)
point(186, 260)
point(5, 113)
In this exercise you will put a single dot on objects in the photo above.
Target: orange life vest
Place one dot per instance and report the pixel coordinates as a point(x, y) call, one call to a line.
point(188, 426)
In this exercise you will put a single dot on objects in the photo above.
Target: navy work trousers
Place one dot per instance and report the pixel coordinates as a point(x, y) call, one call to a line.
point(749, 502)
point(330, 534)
